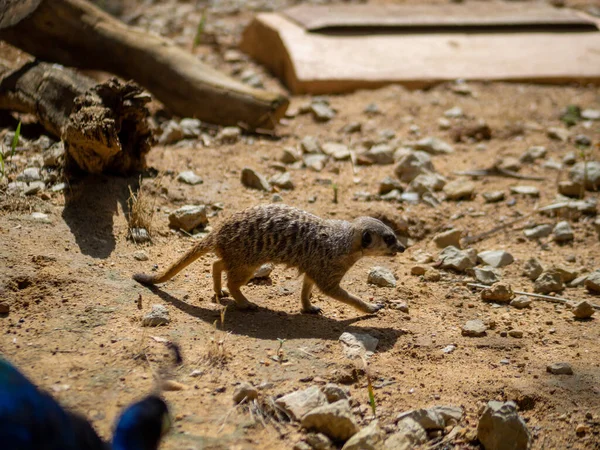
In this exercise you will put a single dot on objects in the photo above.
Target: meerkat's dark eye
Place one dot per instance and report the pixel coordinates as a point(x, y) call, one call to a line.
point(389, 239)
point(367, 239)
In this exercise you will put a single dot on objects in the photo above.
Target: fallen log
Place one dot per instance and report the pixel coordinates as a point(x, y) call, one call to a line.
point(77, 33)
point(104, 126)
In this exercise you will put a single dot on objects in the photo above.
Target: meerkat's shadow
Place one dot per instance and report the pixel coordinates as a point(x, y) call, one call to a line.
point(268, 324)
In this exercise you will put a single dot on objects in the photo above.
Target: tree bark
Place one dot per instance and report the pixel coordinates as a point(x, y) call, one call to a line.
point(76, 33)
point(104, 126)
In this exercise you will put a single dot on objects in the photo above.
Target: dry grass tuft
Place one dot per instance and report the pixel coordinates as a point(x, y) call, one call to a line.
point(141, 208)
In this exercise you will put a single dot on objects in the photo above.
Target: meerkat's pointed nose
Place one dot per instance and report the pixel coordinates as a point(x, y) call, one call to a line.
point(399, 248)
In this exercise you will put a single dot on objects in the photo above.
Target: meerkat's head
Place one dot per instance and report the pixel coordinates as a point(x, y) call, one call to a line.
point(376, 238)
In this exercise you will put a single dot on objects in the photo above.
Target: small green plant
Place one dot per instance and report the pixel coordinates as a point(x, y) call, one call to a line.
point(200, 30)
point(280, 356)
point(370, 391)
point(13, 149)
point(571, 115)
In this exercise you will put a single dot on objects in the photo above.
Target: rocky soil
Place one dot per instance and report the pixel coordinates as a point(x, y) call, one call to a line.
point(494, 188)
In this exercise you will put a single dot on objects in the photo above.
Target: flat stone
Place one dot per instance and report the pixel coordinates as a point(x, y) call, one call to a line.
point(485, 275)
point(336, 150)
point(369, 438)
point(493, 196)
point(30, 174)
point(559, 368)
point(54, 156)
point(515, 333)
point(382, 277)
point(283, 181)
point(539, 232)
point(567, 274)
point(140, 255)
point(189, 177)
point(418, 270)
point(408, 436)
point(334, 392)
point(4, 308)
point(434, 146)
point(264, 271)
point(510, 163)
point(159, 315)
point(521, 302)
point(139, 235)
point(254, 180)
point(591, 174)
point(559, 134)
point(335, 420)
point(563, 232)
point(530, 191)
point(358, 344)
point(315, 162)
point(171, 133)
point(474, 328)
point(229, 135)
point(412, 164)
point(460, 189)
point(322, 112)
point(501, 428)
point(191, 127)
point(188, 217)
point(590, 114)
point(454, 113)
point(532, 268)
point(450, 237)
point(381, 154)
point(496, 258)
point(318, 441)
point(34, 187)
point(570, 188)
point(533, 153)
point(592, 282)
point(455, 259)
point(427, 183)
point(244, 391)
point(583, 310)
point(290, 156)
point(583, 140)
point(388, 184)
point(40, 217)
point(548, 282)
point(310, 144)
point(298, 403)
point(498, 292)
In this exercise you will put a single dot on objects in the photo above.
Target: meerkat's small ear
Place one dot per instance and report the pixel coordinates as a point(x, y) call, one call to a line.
point(367, 239)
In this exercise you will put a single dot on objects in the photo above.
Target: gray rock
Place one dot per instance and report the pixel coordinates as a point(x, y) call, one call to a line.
point(358, 344)
point(496, 258)
point(493, 196)
point(563, 232)
point(532, 268)
point(139, 235)
point(474, 328)
point(352, 127)
point(188, 217)
point(315, 162)
point(433, 146)
point(583, 140)
point(446, 238)
point(548, 282)
point(229, 135)
point(54, 156)
point(570, 188)
point(444, 123)
point(388, 184)
point(382, 277)
point(34, 187)
point(530, 191)
point(369, 438)
point(533, 153)
point(302, 446)
point(189, 177)
point(509, 163)
point(40, 217)
point(322, 112)
point(459, 189)
point(559, 368)
point(413, 164)
point(41, 144)
point(592, 179)
point(579, 281)
point(298, 403)
point(283, 181)
point(590, 114)
point(448, 349)
point(318, 441)
point(498, 292)
point(191, 127)
point(559, 134)
point(159, 315)
point(244, 391)
point(333, 392)
point(521, 302)
point(485, 275)
point(583, 310)
point(140, 255)
point(455, 259)
point(336, 150)
point(408, 435)
point(310, 144)
point(263, 271)
point(290, 156)
point(569, 159)
point(541, 231)
point(592, 282)
point(454, 113)
point(518, 334)
point(380, 154)
point(436, 418)
point(29, 175)
point(372, 109)
point(171, 133)
point(254, 180)
point(567, 274)
point(501, 428)
point(334, 420)
point(427, 183)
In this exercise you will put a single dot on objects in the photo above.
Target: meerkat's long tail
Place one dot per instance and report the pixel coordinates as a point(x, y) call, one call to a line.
point(204, 246)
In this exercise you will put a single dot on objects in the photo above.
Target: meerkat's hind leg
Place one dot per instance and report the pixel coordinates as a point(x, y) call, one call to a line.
point(338, 293)
point(217, 273)
point(236, 278)
point(307, 306)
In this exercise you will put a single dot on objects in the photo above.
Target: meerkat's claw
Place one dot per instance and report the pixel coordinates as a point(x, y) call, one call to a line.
point(374, 307)
point(217, 297)
point(312, 310)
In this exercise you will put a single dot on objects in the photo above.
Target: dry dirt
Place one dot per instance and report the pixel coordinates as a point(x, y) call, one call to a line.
point(75, 328)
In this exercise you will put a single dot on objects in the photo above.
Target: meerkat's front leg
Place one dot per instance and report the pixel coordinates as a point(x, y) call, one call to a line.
point(344, 296)
point(307, 306)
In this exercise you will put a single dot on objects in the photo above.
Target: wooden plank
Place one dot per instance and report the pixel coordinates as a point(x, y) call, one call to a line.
point(319, 63)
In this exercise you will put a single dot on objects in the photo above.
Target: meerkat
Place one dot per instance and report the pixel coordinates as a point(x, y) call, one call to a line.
point(322, 249)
